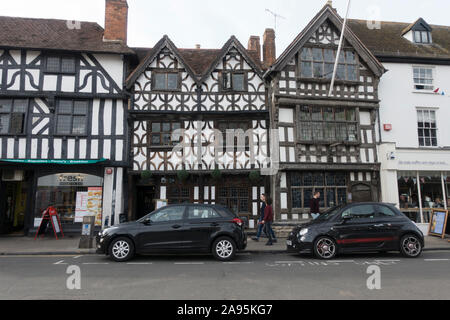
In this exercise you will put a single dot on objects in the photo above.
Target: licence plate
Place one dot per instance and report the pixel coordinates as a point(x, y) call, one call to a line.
point(289, 243)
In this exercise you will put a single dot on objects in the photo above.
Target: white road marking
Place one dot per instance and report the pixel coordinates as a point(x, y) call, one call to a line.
point(60, 262)
point(95, 263)
point(189, 263)
point(436, 260)
point(238, 262)
point(77, 257)
point(139, 263)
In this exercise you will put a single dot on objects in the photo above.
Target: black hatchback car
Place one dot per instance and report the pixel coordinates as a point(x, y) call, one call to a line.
point(177, 228)
point(360, 227)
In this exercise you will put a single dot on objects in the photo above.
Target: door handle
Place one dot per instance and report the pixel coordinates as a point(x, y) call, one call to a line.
point(176, 226)
point(215, 224)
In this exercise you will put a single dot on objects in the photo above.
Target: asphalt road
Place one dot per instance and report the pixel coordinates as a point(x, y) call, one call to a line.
point(258, 276)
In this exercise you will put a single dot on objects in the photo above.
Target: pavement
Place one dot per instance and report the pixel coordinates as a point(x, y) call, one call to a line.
point(69, 246)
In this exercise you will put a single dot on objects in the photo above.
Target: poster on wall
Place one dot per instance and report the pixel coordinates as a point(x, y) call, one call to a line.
point(81, 206)
point(438, 223)
point(94, 204)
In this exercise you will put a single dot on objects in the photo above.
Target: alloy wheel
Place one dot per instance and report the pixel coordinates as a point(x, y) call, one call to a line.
point(411, 246)
point(325, 248)
point(121, 249)
point(224, 249)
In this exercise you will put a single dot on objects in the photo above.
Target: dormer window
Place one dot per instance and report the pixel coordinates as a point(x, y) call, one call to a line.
point(422, 37)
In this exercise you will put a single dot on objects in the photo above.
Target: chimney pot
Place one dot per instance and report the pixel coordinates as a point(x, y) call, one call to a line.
point(116, 20)
point(254, 44)
point(197, 46)
point(269, 48)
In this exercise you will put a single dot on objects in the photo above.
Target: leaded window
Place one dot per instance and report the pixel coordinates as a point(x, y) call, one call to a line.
point(161, 132)
point(235, 198)
point(319, 63)
point(63, 64)
point(234, 81)
point(13, 116)
point(325, 124)
point(331, 185)
point(72, 117)
point(166, 81)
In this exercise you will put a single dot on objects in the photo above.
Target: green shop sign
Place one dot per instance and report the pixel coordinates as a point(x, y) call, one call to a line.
point(63, 162)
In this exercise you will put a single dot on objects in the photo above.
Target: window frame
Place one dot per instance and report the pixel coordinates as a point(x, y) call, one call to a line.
point(161, 133)
point(421, 36)
point(166, 73)
point(249, 124)
point(231, 87)
point(60, 58)
point(415, 84)
point(11, 112)
point(326, 124)
point(183, 217)
point(429, 111)
point(324, 62)
point(72, 114)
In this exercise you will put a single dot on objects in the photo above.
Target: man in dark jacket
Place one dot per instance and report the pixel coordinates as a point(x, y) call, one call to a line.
point(261, 218)
point(315, 205)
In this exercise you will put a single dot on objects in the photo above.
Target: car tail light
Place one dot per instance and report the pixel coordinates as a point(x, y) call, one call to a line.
point(238, 221)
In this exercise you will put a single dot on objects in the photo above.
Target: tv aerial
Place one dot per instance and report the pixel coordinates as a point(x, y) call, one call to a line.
point(276, 16)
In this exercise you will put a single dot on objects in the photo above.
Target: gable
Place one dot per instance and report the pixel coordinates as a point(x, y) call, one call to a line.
point(325, 29)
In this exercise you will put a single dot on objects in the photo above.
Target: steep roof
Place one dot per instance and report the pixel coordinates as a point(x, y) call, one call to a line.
point(199, 62)
point(52, 34)
point(330, 14)
point(388, 41)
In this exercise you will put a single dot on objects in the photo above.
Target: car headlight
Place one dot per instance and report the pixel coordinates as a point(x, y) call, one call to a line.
point(303, 232)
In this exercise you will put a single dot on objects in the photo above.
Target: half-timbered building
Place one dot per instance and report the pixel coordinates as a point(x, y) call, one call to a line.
point(327, 143)
point(63, 119)
point(202, 93)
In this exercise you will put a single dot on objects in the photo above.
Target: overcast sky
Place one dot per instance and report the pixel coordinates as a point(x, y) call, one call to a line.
point(210, 23)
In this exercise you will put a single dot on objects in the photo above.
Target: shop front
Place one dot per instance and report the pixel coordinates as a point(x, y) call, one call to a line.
point(417, 181)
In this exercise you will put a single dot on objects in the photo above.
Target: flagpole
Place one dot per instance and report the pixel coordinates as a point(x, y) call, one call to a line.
point(339, 50)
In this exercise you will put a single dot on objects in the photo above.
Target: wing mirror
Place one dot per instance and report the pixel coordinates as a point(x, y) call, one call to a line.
point(147, 221)
point(346, 218)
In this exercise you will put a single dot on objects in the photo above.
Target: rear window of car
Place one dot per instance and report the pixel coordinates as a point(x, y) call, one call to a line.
point(224, 212)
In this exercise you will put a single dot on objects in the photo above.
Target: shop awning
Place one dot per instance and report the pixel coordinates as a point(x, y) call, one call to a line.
point(60, 162)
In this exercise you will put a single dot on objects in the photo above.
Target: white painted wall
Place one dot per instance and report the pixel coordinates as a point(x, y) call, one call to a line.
point(399, 103)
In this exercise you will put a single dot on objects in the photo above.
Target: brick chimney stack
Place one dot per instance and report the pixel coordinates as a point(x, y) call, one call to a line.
point(269, 48)
point(116, 21)
point(254, 44)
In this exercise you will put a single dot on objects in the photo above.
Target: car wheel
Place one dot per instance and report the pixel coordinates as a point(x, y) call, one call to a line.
point(224, 249)
point(121, 250)
point(325, 248)
point(410, 246)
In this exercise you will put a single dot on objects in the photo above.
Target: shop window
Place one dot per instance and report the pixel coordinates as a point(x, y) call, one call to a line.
point(325, 124)
point(235, 198)
point(179, 194)
point(166, 81)
point(332, 188)
point(72, 117)
point(423, 78)
point(319, 63)
point(13, 114)
point(74, 195)
point(161, 133)
point(427, 128)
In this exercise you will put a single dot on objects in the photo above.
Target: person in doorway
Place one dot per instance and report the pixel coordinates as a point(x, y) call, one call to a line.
point(314, 205)
point(438, 204)
point(268, 220)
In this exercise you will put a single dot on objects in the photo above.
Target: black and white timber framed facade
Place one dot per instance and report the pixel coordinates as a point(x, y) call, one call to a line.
point(64, 127)
point(327, 144)
point(187, 89)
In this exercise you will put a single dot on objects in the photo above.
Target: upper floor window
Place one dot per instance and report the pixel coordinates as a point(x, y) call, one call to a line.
point(72, 117)
point(319, 63)
point(56, 64)
point(13, 115)
point(232, 127)
point(427, 128)
point(423, 78)
point(161, 132)
point(422, 37)
point(328, 124)
point(166, 81)
point(234, 81)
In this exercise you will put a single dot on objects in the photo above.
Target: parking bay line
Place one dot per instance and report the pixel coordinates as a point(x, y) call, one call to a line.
point(436, 260)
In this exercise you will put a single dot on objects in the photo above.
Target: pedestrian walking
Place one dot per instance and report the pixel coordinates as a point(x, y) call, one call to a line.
point(314, 205)
point(268, 220)
point(261, 228)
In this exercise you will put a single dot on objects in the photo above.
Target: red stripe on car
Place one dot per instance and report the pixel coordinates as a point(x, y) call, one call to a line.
point(365, 240)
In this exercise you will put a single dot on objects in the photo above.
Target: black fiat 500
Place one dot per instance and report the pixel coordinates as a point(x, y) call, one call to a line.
point(361, 227)
point(177, 228)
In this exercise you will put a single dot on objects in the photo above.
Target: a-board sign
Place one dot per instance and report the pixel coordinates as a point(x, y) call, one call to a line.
point(438, 223)
point(50, 217)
